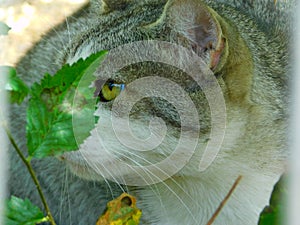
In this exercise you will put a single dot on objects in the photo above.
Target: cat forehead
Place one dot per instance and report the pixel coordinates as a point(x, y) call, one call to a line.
point(190, 24)
point(105, 31)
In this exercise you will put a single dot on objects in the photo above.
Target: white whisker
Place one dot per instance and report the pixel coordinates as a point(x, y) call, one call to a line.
point(170, 189)
point(98, 170)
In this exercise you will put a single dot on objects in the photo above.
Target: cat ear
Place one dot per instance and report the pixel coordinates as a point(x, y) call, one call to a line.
point(200, 26)
point(112, 5)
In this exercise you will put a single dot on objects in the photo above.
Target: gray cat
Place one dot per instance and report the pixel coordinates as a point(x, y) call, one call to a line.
point(238, 94)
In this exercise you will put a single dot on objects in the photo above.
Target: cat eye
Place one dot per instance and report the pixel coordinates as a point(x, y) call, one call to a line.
point(110, 90)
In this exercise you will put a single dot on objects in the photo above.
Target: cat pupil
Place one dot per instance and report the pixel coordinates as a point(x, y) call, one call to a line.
point(110, 85)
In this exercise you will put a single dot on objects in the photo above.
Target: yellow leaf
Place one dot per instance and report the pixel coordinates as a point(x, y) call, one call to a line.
point(121, 211)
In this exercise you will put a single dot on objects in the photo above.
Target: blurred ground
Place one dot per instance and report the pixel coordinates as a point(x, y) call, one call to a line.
point(29, 19)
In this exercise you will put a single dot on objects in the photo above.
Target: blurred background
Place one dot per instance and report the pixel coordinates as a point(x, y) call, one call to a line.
point(29, 20)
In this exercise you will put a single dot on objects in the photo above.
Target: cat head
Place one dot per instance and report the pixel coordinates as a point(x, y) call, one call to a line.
point(165, 73)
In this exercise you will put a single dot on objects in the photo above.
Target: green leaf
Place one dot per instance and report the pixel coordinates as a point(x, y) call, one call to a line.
point(22, 212)
point(272, 214)
point(4, 28)
point(59, 102)
point(17, 89)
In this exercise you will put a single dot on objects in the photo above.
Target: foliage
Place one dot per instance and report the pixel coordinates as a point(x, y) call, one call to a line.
point(18, 90)
point(51, 107)
point(50, 111)
point(22, 212)
point(121, 211)
point(272, 214)
point(4, 28)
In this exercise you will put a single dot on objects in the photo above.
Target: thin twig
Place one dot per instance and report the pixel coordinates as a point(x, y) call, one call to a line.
point(222, 204)
point(33, 176)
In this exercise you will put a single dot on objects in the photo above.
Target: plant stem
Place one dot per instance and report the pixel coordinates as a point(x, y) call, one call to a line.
point(33, 176)
point(218, 210)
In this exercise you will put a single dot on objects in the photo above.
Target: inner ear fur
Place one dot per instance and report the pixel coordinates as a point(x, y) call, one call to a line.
point(200, 25)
